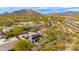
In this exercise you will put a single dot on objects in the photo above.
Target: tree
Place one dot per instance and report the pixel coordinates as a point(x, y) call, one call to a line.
point(53, 46)
point(59, 44)
point(22, 45)
point(8, 35)
point(48, 47)
point(17, 30)
point(51, 34)
point(43, 40)
point(76, 46)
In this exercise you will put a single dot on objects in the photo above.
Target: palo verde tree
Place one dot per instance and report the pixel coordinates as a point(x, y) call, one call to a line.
point(22, 45)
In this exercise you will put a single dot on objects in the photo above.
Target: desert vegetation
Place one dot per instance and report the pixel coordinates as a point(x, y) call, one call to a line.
point(62, 34)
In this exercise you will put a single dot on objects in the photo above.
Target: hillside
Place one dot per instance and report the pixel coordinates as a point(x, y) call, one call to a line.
point(65, 13)
point(23, 12)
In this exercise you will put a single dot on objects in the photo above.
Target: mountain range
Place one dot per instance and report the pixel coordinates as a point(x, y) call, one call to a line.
point(29, 12)
point(23, 12)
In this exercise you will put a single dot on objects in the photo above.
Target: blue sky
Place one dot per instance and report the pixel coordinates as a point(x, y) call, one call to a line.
point(43, 10)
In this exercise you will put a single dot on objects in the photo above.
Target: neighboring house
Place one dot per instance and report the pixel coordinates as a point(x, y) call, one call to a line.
point(8, 45)
point(37, 44)
point(34, 36)
point(23, 36)
point(7, 30)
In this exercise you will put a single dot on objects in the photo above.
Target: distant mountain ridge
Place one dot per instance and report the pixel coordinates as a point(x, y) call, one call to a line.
point(66, 12)
point(70, 12)
point(30, 12)
point(23, 12)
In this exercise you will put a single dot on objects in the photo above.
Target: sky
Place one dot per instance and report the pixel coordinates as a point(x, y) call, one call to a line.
point(38, 3)
point(43, 10)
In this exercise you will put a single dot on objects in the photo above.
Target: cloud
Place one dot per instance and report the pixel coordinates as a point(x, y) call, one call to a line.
point(72, 9)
